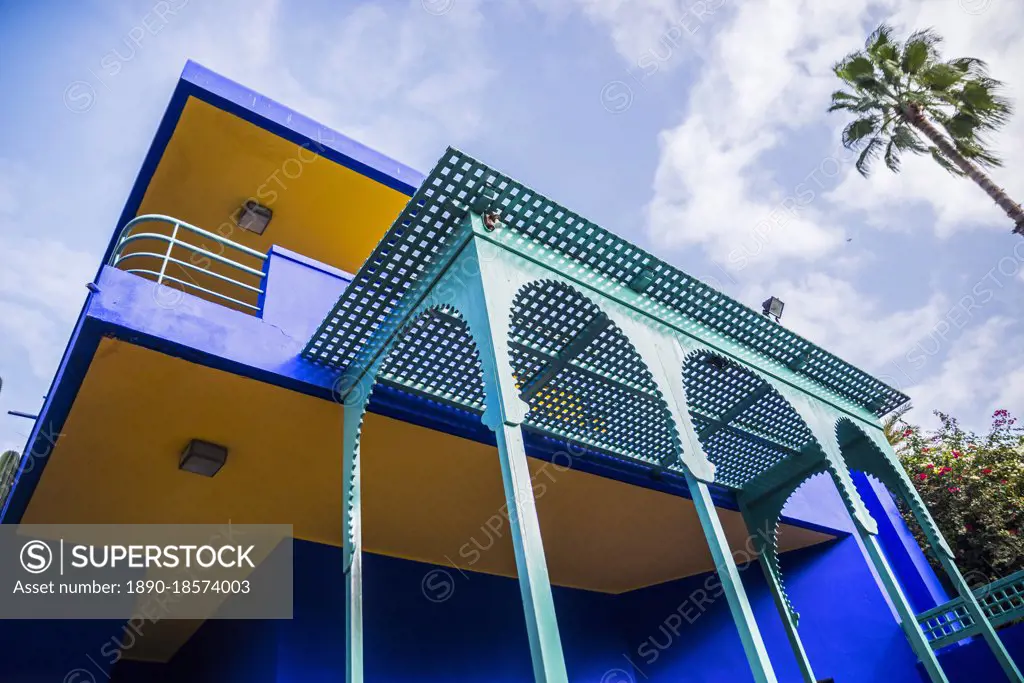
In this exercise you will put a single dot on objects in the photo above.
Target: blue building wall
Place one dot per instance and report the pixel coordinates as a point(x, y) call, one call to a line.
point(919, 582)
point(846, 626)
point(972, 661)
point(425, 623)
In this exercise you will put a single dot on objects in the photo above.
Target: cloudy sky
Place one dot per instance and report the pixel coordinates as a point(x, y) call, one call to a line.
point(696, 128)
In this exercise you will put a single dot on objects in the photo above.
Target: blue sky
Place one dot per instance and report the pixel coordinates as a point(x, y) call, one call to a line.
point(696, 128)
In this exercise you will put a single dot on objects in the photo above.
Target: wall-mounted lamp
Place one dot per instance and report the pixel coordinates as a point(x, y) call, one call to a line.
point(203, 457)
point(254, 217)
point(772, 307)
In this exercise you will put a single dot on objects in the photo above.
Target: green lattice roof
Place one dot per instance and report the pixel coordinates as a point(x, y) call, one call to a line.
point(435, 214)
point(604, 396)
point(744, 425)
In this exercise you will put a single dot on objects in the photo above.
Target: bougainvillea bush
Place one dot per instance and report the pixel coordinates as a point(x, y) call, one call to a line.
point(974, 486)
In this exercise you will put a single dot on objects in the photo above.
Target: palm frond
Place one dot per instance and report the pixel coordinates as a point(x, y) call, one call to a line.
point(895, 427)
point(979, 97)
point(855, 69)
point(880, 37)
point(973, 149)
point(939, 76)
point(945, 163)
point(928, 37)
point(844, 101)
point(858, 129)
point(892, 156)
point(916, 54)
point(970, 66)
point(960, 126)
point(906, 139)
point(868, 155)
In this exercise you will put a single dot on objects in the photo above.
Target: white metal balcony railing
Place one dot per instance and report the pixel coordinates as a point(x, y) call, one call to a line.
point(187, 264)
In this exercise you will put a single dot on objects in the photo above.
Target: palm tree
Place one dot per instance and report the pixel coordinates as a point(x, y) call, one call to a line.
point(899, 92)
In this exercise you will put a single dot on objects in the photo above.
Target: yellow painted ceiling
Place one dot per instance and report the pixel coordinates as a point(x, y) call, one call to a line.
point(214, 161)
point(426, 495)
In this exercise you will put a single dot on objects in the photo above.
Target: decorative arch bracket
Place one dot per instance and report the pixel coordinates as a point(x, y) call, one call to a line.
point(489, 297)
point(821, 419)
point(875, 457)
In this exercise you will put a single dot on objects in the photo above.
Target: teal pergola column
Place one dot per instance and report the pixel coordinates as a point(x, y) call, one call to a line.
point(908, 620)
point(877, 458)
point(763, 529)
point(823, 422)
point(483, 289)
point(352, 541)
point(664, 356)
point(979, 617)
point(732, 585)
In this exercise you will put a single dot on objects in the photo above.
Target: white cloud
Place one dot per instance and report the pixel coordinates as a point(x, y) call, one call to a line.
point(652, 30)
point(982, 372)
point(834, 314)
point(392, 76)
point(33, 335)
point(42, 282)
point(764, 88)
point(769, 75)
point(753, 174)
point(45, 273)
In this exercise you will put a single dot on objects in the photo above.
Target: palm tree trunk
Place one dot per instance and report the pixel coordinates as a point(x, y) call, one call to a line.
point(1012, 208)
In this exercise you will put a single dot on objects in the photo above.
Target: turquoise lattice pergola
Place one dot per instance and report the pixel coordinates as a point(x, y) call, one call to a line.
point(490, 297)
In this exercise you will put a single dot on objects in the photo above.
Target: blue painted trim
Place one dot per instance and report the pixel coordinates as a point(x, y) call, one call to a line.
point(45, 432)
point(309, 262)
point(210, 87)
point(261, 299)
point(291, 125)
point(123, 309)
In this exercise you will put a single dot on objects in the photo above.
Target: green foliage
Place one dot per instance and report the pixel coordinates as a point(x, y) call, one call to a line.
point(974, 487)
point(909, 83)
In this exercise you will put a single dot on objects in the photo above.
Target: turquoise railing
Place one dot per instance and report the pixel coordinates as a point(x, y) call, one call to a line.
point(181, 236)
point(1002, 600)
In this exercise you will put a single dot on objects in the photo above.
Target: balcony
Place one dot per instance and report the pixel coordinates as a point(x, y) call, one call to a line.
point(176, 254)
point(281, 287)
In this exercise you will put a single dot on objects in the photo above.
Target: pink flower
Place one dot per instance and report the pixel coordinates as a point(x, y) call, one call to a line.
point(930, 465)
point(925, 449)
point(956, 454)
point(987, 470)
point(922, 476)
point(908, 432)
point(954, 489)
